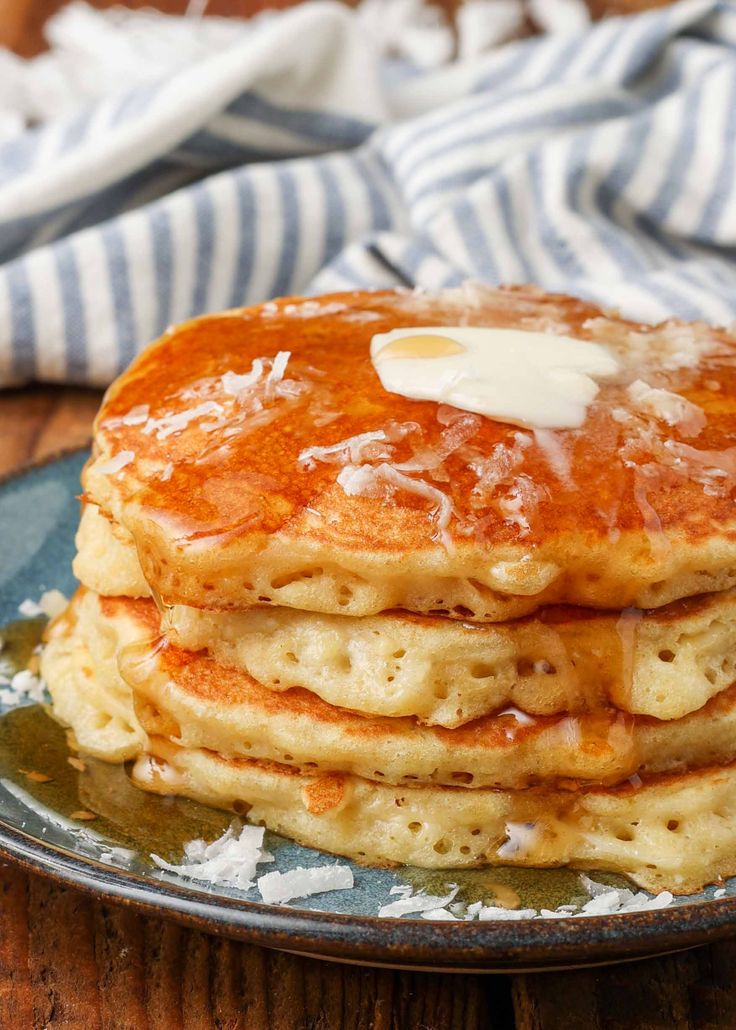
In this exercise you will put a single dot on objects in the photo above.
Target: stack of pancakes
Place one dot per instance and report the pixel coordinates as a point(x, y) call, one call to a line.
point(406, 633)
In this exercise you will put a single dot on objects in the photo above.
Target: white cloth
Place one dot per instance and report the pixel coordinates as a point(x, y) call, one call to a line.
point(293, 158)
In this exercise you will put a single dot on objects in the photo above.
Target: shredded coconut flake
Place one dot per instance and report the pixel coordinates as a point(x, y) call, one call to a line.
point(668, 407)
point(461, 428)
point(417, 903)
point(167, 425)
point(489, 912)
point(277, 888)
point(375, 445)
point(278, 368)
point(604, 900)
point(704, 467)
point(136, 416)
point(117, 856)
point(440, 914)
point(670, 346)
point(52, 603)
point(229, 861)
point(234, 384)
point(520, 837)
point(519, 504)
point(607, 900)
point(370, 481)
point(109, 468)
point(522, 718)
point(24, 686)
point(313, 308)
point(354, 449)
point(558, 458)
point(254, 391)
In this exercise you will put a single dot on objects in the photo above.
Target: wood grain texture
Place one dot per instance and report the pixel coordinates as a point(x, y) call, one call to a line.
point(42, 421)
point(68, 961)
point(693, 990)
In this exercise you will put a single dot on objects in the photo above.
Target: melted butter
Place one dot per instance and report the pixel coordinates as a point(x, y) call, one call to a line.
point(537, 380)
point(427, 345)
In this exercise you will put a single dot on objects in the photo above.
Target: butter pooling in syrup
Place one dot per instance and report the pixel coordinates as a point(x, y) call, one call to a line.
point(531, 379)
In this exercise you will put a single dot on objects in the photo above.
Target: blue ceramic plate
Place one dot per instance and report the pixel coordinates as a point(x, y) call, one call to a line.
point(38, 518)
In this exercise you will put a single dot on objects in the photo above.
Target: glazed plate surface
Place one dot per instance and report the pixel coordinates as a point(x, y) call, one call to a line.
point(40, 826)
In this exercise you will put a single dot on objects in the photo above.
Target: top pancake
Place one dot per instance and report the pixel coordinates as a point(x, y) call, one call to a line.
point(204, 472)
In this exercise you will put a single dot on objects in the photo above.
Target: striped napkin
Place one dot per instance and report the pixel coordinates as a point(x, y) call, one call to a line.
point(600, 162)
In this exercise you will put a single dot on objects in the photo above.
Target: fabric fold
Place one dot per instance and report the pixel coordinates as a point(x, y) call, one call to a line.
point(599, 163)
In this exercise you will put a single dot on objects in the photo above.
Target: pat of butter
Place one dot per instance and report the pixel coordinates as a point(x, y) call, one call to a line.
point(535, 380)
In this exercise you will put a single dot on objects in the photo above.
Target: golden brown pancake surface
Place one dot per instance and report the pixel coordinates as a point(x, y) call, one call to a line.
point(608, 514)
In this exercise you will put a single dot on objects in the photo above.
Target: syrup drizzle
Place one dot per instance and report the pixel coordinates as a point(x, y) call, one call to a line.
point(239, 479)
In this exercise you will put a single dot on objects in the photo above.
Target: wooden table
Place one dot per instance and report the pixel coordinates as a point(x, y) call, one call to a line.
point(67, 961)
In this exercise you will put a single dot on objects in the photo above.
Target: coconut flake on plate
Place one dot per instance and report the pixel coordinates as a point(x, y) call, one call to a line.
point(607, 900)
point(489, 912)
point(417, 903)
point(277, 888)
point(229, 861)
point(24, 686)
point(441, 915)
point(117, 856)
point(52, 603)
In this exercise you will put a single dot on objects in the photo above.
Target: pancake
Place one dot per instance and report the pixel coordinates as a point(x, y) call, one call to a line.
point(674, 832)
point(664, 663)
point(198, 703)
point(200, 458)
point(106, 559)
point(88, 693)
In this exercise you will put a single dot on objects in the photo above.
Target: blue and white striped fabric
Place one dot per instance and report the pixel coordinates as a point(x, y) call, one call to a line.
point(602, 164)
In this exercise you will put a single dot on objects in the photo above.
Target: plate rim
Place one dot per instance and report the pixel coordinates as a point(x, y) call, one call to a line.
point(490, 946)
